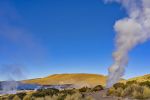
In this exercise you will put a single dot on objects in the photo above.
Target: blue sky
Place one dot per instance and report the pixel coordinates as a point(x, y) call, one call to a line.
point(64, 36)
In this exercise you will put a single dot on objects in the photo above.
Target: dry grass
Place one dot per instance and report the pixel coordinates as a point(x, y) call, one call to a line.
point(27, 97)
point(146, 92)
point(135, 91)
point(76, 96)
point(77, 79)
point(16, 98)
point(48, 98)
point(141, 78)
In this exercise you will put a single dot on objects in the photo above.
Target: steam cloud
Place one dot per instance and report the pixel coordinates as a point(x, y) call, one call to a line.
point(131, 31)
point(11, 73)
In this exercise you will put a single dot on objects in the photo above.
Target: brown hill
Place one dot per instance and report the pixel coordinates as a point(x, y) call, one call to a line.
point(76, 79)
point(141, 78)
point(80, 79)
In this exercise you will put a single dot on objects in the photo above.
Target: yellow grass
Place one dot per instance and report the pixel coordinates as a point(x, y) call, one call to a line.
point(80, 79)
point(141, 78)
point(77, 79)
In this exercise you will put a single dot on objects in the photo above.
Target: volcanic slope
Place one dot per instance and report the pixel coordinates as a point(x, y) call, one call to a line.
point(76, 79)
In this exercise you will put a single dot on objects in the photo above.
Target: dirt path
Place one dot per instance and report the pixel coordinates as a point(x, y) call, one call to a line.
point(101, 96)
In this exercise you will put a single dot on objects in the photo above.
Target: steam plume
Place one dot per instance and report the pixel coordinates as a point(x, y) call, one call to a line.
point(131, 31)
point(11, 73)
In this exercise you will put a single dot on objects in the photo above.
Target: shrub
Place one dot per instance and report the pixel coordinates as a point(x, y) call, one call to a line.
point(45, 92)
point(70, 92)
point(11, 96)
point(50, 91)
point(84, 89)
point(136, 87)
point(111, 91)
point(131, 82)
point(115, 92)
point(97, 88)
point(146, 83)
point(131, 90)
point(21, 95)
point(127, 92)
point(54, 97)
point(76, 96)
point(27, 97)
point(3, 98)
point(38, 94)
point(118, 92)
point(39, 98)
point(146, 92)
point(119, 85)
point(48, 98)
point(16, 98)
point(89, 98)
point(68, 97)
point(62, 96)
point(137, 95)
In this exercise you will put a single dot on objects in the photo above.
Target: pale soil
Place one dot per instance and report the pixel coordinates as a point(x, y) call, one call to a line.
point(101, 96)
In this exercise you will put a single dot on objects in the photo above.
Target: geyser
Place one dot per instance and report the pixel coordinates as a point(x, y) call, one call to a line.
point(10, 73)
point(9, 87)
point(131, 31)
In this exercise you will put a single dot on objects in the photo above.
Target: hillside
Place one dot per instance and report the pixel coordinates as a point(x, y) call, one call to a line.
point(79, 79)
point(141, 78)
point(76, 79)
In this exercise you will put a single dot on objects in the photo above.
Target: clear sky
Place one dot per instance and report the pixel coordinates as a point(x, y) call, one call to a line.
point(46, 37)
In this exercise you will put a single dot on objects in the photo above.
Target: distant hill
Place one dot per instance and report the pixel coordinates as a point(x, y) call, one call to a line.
point(141, 78)
point(79, 79)
point(76, 79)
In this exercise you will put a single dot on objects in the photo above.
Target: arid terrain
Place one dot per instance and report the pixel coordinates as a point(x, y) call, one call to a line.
point(80, 79)
point(90, 87)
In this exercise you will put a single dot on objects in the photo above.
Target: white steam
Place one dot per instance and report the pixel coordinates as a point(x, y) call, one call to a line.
point(9, 87)
point(11, 73)
point(131, 31)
